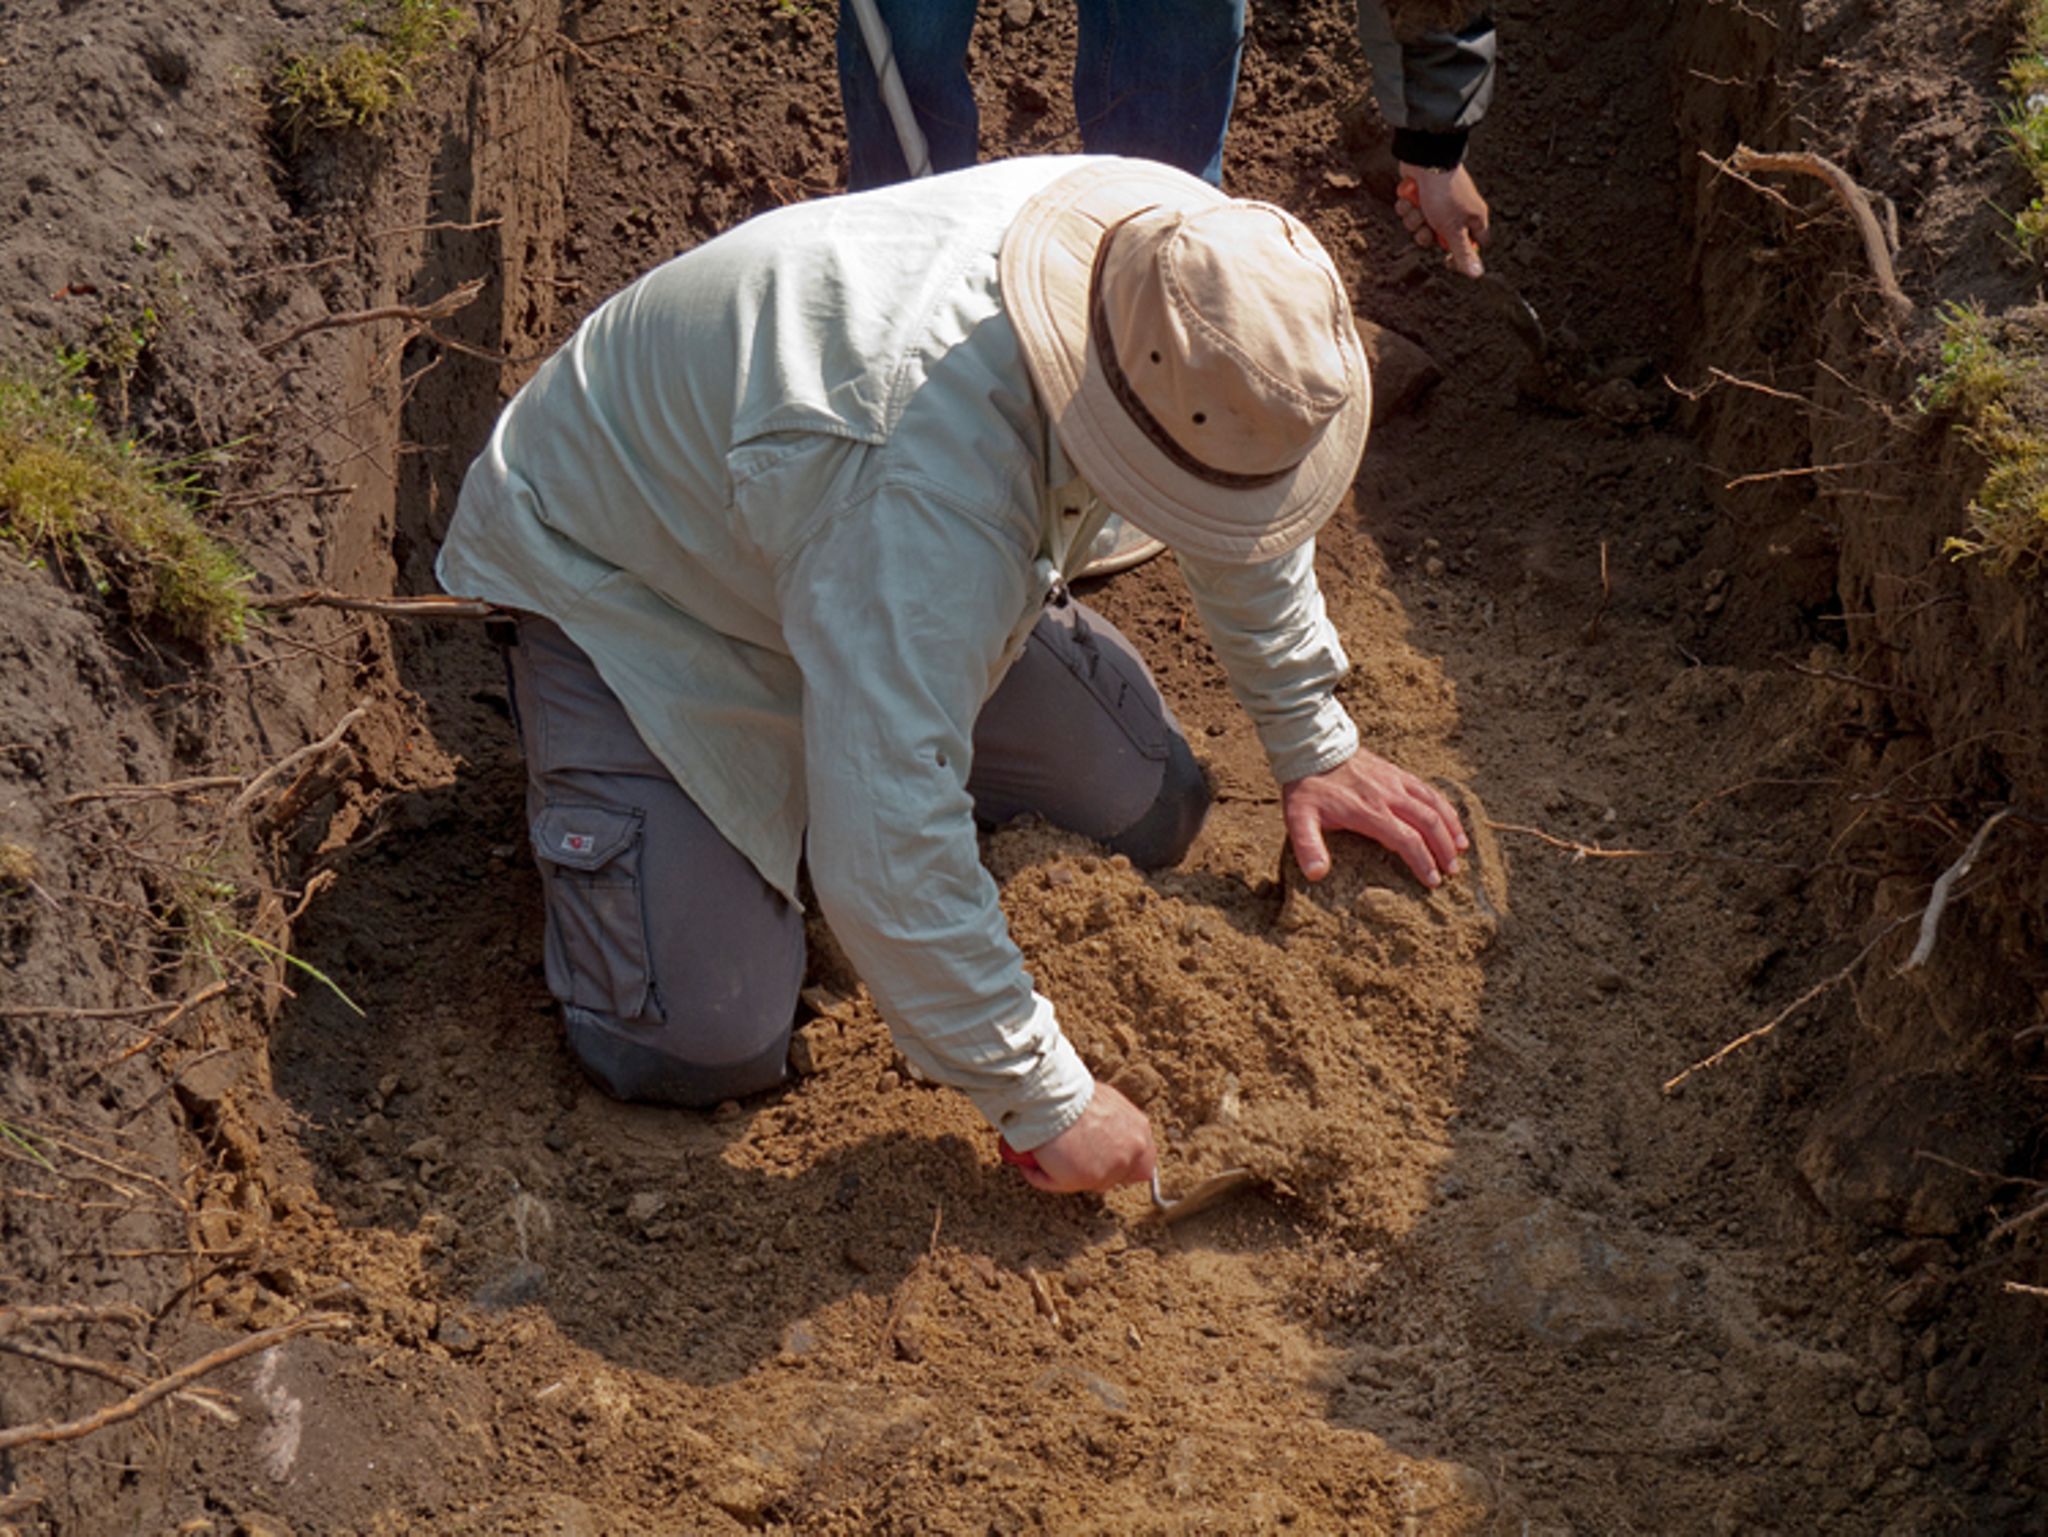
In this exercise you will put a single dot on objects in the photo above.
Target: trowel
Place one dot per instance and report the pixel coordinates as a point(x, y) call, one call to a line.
point(1497, 291)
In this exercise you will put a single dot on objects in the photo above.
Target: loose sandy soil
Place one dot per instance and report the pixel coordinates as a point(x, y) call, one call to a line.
point(1491, 1278)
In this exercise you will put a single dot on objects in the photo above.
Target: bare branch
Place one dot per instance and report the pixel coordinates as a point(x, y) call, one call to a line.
point(424, 606)
point(51, 1431)
point(1825, 984)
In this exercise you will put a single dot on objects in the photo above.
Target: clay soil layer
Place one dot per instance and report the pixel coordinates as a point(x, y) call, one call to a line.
point(1665, 610)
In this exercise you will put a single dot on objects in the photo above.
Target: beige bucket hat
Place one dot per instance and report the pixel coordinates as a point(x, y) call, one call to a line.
point(1195, 353)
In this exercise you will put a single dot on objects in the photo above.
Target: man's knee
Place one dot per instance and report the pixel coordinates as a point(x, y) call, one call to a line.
point(658, 1063)
point(1163, 835)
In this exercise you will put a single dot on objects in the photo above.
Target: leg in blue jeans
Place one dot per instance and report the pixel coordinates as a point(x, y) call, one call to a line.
point(1156, 78)
point(1153, 78)
point(929, 38)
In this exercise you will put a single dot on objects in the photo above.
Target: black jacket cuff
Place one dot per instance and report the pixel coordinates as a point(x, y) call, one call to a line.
point(1432, 151)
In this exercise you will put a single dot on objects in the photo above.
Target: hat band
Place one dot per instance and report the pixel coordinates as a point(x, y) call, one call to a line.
point(1127, 395)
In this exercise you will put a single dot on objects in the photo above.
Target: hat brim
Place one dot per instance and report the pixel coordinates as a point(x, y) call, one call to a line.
point(1047, 261)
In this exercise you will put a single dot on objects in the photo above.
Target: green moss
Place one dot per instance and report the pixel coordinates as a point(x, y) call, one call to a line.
point(73, 495)
point(357, 84)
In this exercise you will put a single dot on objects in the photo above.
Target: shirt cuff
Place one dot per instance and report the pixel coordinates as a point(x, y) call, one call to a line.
point(1432, 150)
point(1032, 1110)
point(1334, 739)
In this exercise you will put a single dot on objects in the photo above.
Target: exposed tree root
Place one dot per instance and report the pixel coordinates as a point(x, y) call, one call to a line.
point(1876, 249)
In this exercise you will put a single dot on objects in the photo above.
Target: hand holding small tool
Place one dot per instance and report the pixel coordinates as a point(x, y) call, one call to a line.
point(1444, 208)
point(1110, 1145)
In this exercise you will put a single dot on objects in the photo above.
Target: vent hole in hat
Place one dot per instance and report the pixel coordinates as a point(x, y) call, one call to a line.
point(1200, 417)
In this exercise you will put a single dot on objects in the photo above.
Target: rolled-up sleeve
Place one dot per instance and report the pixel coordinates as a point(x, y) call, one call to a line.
point(897, 612)
point(1281, 653)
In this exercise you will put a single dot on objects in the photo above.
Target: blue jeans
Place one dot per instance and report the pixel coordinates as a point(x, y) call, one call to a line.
point(1152, 78)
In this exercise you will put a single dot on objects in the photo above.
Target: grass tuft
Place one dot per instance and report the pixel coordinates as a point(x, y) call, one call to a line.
point(359, 83)
point(96, 507)
point(2025, 118)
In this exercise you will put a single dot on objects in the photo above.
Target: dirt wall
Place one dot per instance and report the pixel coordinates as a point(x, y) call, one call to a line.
point(1836, 496)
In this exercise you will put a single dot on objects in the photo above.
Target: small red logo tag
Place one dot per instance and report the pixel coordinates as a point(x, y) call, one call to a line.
point(578, 843)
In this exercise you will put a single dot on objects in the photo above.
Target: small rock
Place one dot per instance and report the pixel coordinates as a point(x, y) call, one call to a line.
point(1434, 566)
point(908, 1340)
point(728, 1109)
point(456, 1337)
point(523, 1283)
point(985, 1271)
point(857, 1255)
point(644, 1206)
point(1140, 1083)
point(810, 1050)
point(798, 1341)
point(1402, 373)
point(254, 1523)
point(428, 1150)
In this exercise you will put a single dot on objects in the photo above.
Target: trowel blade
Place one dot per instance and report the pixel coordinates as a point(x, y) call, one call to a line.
point(1518, 312)
point(1217, 1187)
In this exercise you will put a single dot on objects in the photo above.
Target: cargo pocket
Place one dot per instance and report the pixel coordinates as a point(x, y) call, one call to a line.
point(596, 947)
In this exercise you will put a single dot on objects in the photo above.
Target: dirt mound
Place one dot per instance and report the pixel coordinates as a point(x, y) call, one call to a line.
point(1314, 1034)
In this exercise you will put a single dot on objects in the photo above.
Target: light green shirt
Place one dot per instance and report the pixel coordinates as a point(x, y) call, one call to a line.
point(793, 494)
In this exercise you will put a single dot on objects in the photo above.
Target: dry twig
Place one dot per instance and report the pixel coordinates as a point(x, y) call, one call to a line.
point(174, 1006)
point(311, 752)
point(424, 606)
point(417, 314)
point(50, 1431)
point(31, 1315)
point(205, 1399)
point(1826, 984)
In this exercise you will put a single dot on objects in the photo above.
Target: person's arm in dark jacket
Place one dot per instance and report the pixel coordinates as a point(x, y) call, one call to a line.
point(1433, 87)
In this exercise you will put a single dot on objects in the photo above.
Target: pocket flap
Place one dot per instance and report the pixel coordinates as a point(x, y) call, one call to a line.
point(583, 837)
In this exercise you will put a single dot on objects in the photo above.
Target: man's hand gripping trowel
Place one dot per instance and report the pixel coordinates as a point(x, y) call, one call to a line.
point(1217, 1187)
point(1519, 313)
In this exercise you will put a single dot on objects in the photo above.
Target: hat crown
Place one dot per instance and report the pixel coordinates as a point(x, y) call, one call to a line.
point(1227, 324)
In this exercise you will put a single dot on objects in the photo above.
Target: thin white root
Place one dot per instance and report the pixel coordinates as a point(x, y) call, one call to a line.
point(1937, 900)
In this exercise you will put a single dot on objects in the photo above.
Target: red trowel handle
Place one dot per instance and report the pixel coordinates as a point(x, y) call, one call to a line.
point(1409, 193)
point(1011, 1156)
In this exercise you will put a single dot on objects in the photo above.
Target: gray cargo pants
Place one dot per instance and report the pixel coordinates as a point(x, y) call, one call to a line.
point(676, 964)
